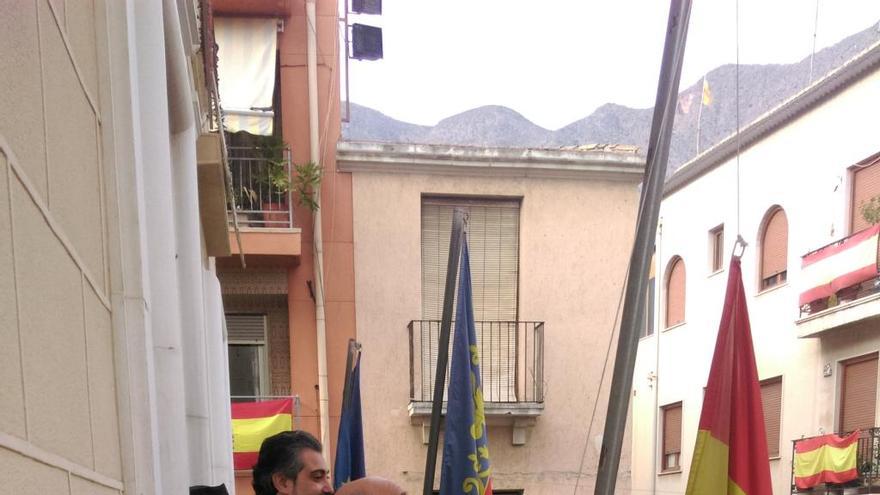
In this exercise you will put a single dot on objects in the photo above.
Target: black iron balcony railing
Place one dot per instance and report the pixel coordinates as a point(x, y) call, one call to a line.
point(261, 181)
point(511, 360)
point(867, 465)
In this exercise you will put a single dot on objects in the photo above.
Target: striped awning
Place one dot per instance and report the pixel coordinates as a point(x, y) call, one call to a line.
point(246, 72)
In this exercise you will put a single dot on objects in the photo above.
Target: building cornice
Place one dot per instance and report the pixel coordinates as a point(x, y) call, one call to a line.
point(496, 162)
point(813, 95)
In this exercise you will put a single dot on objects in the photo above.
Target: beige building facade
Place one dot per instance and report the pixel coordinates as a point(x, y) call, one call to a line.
point(112, 207)
point(550, 233)
point(804, 171)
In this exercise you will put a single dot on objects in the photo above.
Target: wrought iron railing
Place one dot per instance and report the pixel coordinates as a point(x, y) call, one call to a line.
point(261, 180)
point(511, 360)
point(867, 464)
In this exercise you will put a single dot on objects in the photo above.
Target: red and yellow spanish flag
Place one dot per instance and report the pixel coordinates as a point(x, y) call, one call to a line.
point(825, 459)
point(839, 265)
point(730, 456)
point(253, 422)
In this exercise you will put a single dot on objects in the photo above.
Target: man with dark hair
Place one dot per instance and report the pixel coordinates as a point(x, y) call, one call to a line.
point(290, 463)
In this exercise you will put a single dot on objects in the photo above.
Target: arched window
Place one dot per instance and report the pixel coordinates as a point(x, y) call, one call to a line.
point(774, 249)
point(675, 292)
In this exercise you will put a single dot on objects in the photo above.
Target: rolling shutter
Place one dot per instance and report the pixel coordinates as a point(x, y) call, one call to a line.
point(774, 247)
point(858, 394)
point(866, 185)
point(771, 399)
point(493, 239)
point(675, 293)
point(671, 433)
point(246, 328)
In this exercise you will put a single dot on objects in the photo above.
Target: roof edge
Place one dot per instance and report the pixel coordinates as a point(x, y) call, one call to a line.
point(352, 156)
point(835, 81)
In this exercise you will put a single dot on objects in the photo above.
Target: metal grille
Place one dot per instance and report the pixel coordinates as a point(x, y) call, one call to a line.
point(261, 180)
point(511, 360)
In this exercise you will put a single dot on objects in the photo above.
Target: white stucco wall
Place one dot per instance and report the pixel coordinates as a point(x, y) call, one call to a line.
point(801, 167)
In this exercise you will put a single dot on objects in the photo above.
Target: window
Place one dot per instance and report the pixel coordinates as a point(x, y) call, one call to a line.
point(675, 292)
point(671, 438)
point(248, 374)
point(493, 240)
point(865, 186)
point(648, 327)
point(716, 249)
point(774, 249)
point(858, 393)
point(771, 398)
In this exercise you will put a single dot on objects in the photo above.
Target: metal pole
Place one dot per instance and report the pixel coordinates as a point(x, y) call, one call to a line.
point(458, 218)
point(649, 210)
point(347, 57)
point(353, 347)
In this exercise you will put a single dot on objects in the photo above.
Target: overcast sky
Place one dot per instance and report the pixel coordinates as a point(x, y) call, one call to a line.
point(555, 61)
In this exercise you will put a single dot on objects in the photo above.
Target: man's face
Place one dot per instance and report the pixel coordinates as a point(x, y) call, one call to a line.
point(314, 477)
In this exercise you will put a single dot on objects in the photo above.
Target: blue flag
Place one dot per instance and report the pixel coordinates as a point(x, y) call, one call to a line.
point(349, 463)
point(465, 469)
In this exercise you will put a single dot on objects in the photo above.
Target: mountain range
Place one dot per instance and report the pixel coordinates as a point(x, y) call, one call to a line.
point(762, 87)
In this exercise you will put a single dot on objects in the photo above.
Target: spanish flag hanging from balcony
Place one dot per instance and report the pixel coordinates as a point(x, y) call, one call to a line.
point(845, 263)
point(825, 459)
point(253, 422)
point(730, 455)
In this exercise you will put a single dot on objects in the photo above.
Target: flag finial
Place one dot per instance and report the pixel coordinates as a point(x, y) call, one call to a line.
point(740, 243)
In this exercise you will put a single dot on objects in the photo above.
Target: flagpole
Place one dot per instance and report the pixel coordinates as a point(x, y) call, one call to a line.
point(700, 112)
point(649, 211)
point(353, 347)
point(458, 221)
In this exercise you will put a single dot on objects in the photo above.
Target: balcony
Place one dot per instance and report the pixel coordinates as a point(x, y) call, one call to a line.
point(839, 284)
point(261, 180)
point(867, 465)
point(511, 367)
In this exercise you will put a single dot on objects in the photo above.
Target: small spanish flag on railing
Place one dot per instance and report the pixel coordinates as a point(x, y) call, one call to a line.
point(253, 422)
point(825, 459)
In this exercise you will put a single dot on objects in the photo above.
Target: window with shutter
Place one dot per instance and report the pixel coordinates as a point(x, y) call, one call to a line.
point(774, 249)
point(771, 399)
point(493, 241)
point(865, 186)
point(671, 437)
point(248, 363)
point(858, 394)
point(716, 249)
point(675, 292)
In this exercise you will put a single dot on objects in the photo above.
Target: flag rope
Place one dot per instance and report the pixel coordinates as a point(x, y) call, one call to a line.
point(738, 231)
point(601, 382)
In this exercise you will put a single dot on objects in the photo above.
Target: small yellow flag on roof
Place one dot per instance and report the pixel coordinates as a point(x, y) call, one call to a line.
point(707, 95)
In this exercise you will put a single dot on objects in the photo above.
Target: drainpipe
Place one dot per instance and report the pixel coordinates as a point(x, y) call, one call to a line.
point(314, 157)
point(658, 283)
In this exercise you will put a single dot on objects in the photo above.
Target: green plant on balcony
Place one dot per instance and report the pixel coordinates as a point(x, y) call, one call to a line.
point(305, 181)
point(870, 210)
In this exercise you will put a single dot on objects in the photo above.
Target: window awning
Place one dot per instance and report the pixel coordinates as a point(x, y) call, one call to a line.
point(246, 72)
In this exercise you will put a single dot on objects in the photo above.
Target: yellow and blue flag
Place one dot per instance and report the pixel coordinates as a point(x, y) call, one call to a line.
point(465, 469)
